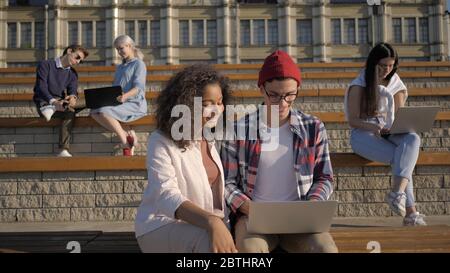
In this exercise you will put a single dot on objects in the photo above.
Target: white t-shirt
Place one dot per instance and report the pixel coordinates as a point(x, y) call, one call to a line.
point(275, 180)
point(386, 105)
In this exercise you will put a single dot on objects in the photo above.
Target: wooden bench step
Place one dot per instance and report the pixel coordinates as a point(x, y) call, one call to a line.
point(240, 77)
point(348, 240)
point(320, 92)
point(149, 120)
point(344, 65)
point(137, 163)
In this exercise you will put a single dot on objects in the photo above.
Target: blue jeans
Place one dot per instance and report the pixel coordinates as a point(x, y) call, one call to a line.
point(400, 151)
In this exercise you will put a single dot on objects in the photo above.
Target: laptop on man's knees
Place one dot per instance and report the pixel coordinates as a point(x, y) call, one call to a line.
point(416, 119)
point(290, 217)
point(103, 96)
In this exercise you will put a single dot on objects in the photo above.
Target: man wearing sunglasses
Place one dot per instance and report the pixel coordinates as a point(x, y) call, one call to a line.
point(296, 168)
point(55, 92)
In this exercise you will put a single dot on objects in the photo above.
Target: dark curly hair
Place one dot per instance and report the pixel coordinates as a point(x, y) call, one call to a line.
point(181, 90)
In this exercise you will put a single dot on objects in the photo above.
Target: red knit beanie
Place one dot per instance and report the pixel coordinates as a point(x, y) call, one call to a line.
point(279, 64)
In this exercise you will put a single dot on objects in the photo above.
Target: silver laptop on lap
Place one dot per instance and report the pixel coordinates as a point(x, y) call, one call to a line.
point(291, 217)
point(414, 119)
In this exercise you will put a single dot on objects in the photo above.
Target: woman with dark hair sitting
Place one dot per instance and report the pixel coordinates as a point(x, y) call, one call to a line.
point(370, 104)
point(183, 208)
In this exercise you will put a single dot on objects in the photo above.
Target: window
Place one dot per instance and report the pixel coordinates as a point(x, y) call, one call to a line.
point(258, 32)
point(129, 29)
point(87, 34)
point(245, 32)
point(197, 32)
point(142, 31)
point(12, 35)
point(397, 30)
point(25, 35)
point(73, 33)
point(272, 32)
point(423, 30)
point(304, 32)
point(184, 32)
point(39, 35)
point(211, 32)
point(349, 31)
point(410, 26)
point(100, 34)
point(363, 31)
point(336, 31)
point(155, 33)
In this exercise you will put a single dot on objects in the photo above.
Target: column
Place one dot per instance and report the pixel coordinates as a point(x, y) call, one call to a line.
point(224, 27)
point(436, 29)
point(112, 31)
point(167, 35)
point(286, 39)
point(321, 32)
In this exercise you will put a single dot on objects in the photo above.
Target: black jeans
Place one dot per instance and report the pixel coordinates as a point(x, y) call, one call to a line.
point(68, 118)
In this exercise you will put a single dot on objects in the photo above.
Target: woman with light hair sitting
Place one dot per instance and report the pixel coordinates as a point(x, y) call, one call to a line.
point(131, 76)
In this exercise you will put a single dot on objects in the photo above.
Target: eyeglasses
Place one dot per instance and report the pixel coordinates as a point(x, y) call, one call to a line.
point(289, 98)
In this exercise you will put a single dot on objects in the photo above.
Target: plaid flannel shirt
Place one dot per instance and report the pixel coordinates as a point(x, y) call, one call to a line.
point(312, 164)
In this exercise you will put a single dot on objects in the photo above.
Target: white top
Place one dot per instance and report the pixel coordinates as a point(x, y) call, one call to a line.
point(386, 105)
point(175, 176)
point(275, 180)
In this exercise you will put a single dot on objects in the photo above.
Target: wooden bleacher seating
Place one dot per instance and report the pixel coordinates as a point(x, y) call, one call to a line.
point(428, 239)
point(239, 77)
point(137, 163)
point(149, 120)
point(319, 92)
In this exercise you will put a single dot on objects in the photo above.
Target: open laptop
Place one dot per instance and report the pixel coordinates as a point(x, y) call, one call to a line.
point(104, 96)
point(414, 119)
point(290, 217)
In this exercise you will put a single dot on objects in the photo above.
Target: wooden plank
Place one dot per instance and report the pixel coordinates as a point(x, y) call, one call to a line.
point(323, 92)
point(323, 65)
point(440, 74)
point(252, 94)
point(329, 75)
point(352, 160)
point(391, 239)
point(114, 163)
point(79, 163)
point(236, 77)
point(330, 116)
point(150, 120)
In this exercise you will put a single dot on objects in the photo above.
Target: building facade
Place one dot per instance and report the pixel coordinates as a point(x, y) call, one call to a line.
point(222, 31)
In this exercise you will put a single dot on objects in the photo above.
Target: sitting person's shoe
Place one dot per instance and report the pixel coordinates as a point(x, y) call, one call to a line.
point(414, 219)
point(132, 140)
point(397, 202)
point(48, 111)
point(64, 153)
point(127, 151)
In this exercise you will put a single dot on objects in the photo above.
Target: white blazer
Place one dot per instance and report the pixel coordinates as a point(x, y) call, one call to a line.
point(175, 176)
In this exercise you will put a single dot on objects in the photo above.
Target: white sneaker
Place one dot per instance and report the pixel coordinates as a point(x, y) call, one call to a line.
point(64, 153)
point(397, 202)
point(48, 111)
point(414, 219)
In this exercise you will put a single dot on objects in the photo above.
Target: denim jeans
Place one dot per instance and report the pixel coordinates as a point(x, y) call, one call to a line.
point(400, 151)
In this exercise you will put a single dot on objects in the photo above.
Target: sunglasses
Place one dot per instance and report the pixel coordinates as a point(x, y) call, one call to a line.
point(78, 57)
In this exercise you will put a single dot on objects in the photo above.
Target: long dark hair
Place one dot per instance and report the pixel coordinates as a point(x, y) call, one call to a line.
point(181, 90)
point(370, 97)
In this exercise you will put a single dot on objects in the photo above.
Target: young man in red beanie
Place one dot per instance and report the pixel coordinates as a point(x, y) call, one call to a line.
point(297, 168)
